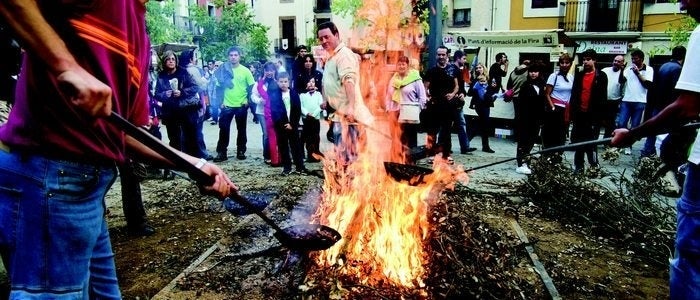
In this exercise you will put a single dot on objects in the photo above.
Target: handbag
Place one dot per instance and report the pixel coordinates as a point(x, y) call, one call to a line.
point(190, 102)
point(409, 113)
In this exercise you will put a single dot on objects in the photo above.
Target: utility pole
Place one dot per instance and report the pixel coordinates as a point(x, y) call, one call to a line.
point(435, 34)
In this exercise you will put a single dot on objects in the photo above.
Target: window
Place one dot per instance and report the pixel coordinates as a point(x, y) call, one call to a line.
point(462, 12)
point(211, 11)
point(544, 3)
point(542, 8)
point(655, 7)
point(462, 17)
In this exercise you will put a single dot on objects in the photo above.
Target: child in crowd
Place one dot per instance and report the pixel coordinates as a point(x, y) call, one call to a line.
point(286, 114)
point(483, 97)
point(311, 110)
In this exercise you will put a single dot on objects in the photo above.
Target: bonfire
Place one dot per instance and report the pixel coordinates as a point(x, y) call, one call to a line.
point(384, 223)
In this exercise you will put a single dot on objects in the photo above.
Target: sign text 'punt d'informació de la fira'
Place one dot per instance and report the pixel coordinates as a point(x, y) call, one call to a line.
point(502, 39)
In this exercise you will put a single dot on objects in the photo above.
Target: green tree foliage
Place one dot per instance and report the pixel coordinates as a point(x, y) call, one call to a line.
point(680, 31)
point(235, 26)
point(159, 23)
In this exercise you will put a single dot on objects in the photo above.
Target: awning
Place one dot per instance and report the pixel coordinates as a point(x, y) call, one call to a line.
point(172, 46)
point(510, 38)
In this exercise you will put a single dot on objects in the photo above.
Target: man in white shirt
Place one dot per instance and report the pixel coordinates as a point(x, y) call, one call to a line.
point(616, 82)
point(685, 266)
point(639, 78)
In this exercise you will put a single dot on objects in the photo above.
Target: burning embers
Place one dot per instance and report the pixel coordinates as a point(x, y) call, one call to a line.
point(383, 223)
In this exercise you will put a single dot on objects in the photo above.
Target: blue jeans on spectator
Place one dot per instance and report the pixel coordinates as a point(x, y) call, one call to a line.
point(53, 236)
point(225, 118)
point(346, 151)
point(462, 136)
point(630, 112)
point(203, 153)
point(649, 148)
point(265, 138)
point(685, 265)
point(214, 108)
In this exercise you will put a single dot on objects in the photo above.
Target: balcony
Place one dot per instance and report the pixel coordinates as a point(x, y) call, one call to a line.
point(602, 15)
point(322, 6)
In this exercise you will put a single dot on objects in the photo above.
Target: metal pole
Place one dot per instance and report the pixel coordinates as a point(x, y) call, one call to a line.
point(435, 34)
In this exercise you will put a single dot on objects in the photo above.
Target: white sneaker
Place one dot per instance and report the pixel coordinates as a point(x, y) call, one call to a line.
point(524, 169)
point(628, 151)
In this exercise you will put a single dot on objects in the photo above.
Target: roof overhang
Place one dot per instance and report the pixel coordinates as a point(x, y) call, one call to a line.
point(175, 47)
point(510, 38)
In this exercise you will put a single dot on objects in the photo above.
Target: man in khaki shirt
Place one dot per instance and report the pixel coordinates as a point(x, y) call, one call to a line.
point(341, 89)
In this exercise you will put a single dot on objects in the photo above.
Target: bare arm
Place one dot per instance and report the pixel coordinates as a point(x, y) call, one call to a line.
point(39, 38)
point(454, 90)
point(686, 106)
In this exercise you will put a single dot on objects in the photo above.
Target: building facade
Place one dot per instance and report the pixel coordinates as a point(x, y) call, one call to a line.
point(523, 28)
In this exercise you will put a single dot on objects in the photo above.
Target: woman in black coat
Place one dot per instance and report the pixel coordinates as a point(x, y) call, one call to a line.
point(528, 112)
point(177, 92)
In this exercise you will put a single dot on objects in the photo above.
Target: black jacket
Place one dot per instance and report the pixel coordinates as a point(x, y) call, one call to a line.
point(599, 94)
point(302, 78)
point(279, 111)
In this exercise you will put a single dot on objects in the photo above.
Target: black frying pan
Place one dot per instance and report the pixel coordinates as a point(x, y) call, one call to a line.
point(303, 237)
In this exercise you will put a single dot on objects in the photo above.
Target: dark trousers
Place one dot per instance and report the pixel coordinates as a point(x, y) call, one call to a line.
point(225, 118)
point(311, 136)
point(554, 128)
point(288, 142)
point(484, 113)
point(607, 121)
point(584, 130)
point(527, 126)
point(409, 135)
point(440, 120)
point(132, 203)
point(182, 128)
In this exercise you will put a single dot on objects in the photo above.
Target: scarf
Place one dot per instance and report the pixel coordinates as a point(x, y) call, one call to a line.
point(399, 83)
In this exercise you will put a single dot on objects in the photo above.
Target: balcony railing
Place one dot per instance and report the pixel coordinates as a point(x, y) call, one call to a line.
point(602, 15)
point(322, 6)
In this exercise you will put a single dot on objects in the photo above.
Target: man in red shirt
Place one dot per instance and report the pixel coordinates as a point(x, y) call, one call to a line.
point(588, 94)
point(84, 59)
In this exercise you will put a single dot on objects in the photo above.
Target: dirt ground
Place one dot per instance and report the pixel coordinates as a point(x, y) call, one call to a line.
point(244, 261)
point(485, 258)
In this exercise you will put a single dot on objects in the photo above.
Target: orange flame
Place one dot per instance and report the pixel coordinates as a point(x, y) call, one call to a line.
point(383, 222)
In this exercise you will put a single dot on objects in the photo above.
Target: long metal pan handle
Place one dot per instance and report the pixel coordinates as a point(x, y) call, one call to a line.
point(156, 145)
point(579, 145)
point(549, 150)
point(198, 175)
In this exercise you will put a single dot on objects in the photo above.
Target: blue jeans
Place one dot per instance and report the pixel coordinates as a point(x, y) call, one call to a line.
point(462, 136)
point(649, 148)
point(631, 112)
point(265, 138)
point(685, 266)
point(53, 235)
point(214, 108)
point(225, 118)
point(345, 140)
